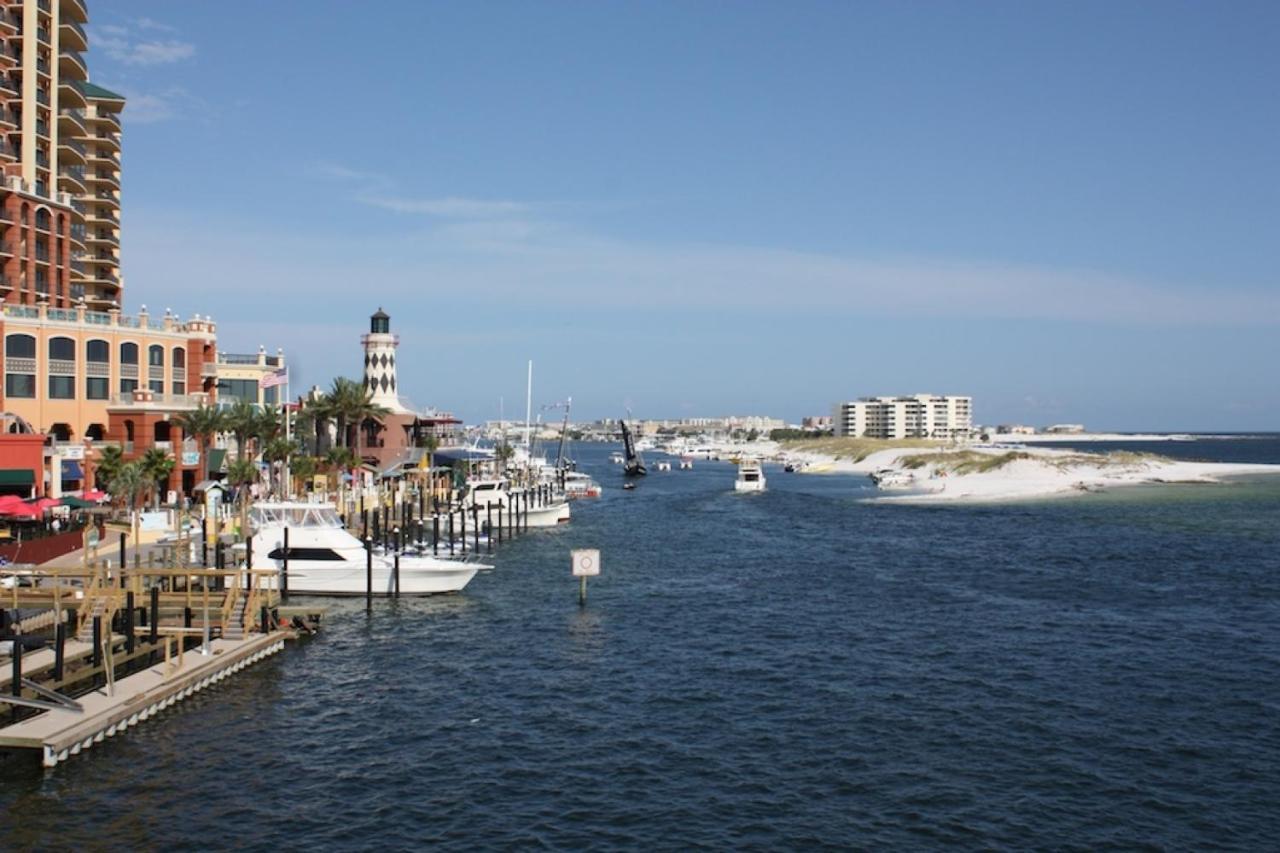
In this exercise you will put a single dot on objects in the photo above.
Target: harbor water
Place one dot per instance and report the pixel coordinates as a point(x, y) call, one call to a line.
point(789, 669)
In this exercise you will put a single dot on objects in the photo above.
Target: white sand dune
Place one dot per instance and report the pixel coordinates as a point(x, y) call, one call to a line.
point(1047, 472)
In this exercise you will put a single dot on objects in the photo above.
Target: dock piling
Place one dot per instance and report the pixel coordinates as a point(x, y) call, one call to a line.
point(154, 618)
point(368, 575)
point(284, 569)
point(59, 649)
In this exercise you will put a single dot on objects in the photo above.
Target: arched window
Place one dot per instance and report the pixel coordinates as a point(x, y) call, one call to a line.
point(20, 346)
point(62, 349)
point(179, 370)
point(155, 362)
point(128, 367)
point(20, 366)
point(42, 219)
point(179, 357)
point(97, 383)
point(97, 432)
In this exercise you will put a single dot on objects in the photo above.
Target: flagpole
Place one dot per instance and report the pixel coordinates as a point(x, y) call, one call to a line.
point(288, 437)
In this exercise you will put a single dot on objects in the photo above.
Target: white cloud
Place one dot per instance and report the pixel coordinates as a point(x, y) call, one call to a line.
point(449, 208)
point(124, 44)
point(151, 107)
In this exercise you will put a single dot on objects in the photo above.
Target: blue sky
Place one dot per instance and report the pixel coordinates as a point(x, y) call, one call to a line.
point(1067, 210)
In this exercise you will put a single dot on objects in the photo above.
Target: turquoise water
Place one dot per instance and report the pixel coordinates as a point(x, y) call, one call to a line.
point(792, 669)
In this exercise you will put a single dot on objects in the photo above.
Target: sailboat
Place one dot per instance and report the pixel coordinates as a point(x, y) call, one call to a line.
point(633, 464)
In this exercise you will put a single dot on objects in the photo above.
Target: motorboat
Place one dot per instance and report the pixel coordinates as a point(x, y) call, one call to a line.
point(580, 485)
point(664, 465)
point(686, 463)
point(750, 476)
point(490, 495)
point(617, 458)
point(326, 559)
point(893, 479)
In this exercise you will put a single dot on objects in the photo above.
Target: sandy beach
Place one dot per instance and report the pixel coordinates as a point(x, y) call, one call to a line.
point(981, 473)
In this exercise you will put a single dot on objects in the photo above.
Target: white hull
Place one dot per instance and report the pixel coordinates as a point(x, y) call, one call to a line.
point(549, 516)
point(325, 559)
point(753, 486)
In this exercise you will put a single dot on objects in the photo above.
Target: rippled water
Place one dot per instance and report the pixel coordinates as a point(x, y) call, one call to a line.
point(785, 670)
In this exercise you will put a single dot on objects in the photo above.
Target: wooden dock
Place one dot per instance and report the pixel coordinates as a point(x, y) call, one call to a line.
point(64, 732)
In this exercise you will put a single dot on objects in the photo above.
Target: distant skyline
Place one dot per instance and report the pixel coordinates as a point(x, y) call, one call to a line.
point(1067, 211)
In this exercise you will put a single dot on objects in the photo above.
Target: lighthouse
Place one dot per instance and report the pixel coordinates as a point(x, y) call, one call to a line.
point(380, 363)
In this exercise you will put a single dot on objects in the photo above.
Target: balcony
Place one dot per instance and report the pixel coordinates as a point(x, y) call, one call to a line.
point(110, 119)
point(7, 248)
point(74, 10)
point(72, 35)
point(42, 128)
point(71, 149)
point(72, 179)
point(108, 179)
point(70, 94)
point(42, 97)
point(42, 34)
point(7, 118)
point(42, 65)
point(44, 6)
point(8, 84)
point(103, 216)
point(71, 65)
point(71, 123)
point(107, 239)
point(101, 158)
point(110, 142)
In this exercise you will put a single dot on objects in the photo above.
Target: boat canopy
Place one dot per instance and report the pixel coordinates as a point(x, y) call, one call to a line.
point(294, 516)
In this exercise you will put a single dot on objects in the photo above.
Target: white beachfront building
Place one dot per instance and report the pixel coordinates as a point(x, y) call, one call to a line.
point(916, 416)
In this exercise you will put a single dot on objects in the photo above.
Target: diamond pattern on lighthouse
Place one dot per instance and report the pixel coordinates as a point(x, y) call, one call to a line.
point(380, 364)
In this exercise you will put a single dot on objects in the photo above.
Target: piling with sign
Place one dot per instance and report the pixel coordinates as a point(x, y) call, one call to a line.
point(586, 564)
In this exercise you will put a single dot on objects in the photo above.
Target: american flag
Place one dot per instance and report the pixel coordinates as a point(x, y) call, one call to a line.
point(276, 377)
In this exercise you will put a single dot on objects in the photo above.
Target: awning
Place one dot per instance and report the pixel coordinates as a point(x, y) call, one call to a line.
point(71, 470)
point(17, 477)
point(214, 459)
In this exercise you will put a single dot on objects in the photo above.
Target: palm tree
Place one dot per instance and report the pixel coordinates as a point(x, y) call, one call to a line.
point(241, 420)
point(203, 424)
point(241, 475)
point(267, 426)
point(346, 398)
point(129, 483)
point(156, 466)
point(278, 449)
point(110, 460)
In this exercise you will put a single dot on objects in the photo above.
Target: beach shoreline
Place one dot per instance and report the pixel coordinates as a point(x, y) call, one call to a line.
point(983, 473)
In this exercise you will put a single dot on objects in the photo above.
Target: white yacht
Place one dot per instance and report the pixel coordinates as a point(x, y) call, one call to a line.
point(326, 559)
point(750, 476)
point(496, 493)
point(580, 485)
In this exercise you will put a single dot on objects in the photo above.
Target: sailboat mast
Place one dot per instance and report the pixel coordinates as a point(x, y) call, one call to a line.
point(528, 410)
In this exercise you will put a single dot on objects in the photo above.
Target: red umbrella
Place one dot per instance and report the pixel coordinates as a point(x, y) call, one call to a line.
point(41, 504)
point(21, 510)
point(5, 500)
point(95, 495)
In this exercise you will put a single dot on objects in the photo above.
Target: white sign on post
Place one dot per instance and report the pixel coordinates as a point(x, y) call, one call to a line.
point(586, 563)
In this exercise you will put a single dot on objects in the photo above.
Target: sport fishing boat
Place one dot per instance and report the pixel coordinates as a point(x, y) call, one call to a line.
point(491, 494)
point(326, 559)
point(750, 476)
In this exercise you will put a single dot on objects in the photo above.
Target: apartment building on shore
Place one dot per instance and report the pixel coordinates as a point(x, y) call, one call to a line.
point(916, 416)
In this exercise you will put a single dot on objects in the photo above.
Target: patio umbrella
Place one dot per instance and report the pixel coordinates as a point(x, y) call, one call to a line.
point(96, 495)
point(78, 503)
point(41, 504)
point(21, 510)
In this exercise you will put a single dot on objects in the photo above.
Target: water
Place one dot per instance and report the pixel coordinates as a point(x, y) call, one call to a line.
point(783, 670)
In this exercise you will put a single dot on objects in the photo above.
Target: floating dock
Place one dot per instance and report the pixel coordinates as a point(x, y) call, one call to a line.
point(63, 732)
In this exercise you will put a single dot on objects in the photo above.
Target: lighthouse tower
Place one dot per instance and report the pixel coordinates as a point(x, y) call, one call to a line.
point(380, 363)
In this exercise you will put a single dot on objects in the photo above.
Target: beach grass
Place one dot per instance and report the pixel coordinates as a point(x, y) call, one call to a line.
point(856, 449)
point(964, 461)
